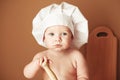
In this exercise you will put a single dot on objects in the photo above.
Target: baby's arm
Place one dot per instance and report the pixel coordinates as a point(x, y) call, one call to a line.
point(32, 68)
point(81, 66)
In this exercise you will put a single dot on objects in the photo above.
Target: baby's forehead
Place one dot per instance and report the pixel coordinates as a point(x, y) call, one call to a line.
point(58, 28)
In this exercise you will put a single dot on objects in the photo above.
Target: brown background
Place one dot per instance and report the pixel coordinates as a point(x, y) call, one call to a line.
point(17, 45)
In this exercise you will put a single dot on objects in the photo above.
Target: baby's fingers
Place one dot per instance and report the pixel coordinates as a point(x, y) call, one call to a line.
point(46, 60)
point(43, 61)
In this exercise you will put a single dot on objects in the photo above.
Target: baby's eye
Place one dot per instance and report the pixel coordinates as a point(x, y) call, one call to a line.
point(64, 34)
point(51, 34)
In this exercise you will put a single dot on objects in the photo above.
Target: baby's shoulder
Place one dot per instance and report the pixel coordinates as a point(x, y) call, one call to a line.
point(76, 53)
point(77, 57)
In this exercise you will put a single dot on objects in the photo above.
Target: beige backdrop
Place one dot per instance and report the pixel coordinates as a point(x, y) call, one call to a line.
point(17, 45)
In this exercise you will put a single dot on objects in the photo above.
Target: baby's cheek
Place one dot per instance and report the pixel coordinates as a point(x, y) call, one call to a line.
point(69, 40)
point(47, 41)
point(50, 42)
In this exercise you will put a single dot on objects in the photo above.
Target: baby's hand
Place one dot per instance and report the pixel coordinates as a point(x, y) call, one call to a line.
point(43, 61)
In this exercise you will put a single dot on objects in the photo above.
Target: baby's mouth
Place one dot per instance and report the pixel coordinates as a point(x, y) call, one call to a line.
point(58, 45)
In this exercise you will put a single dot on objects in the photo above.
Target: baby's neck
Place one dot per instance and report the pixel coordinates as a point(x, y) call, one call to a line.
point(58, 53)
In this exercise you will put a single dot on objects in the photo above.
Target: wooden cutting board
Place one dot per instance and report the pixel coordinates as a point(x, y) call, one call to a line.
point(102, 54)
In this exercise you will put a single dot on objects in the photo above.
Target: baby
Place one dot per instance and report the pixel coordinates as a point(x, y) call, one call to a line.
point(59, 29)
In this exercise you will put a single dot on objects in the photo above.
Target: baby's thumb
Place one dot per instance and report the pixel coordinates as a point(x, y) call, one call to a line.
point(45, 59)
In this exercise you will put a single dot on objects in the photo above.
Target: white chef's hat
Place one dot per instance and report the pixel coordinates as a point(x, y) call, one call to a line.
point(63, 14)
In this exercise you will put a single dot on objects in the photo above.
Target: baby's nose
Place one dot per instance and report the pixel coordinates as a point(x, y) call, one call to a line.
point(58, 38)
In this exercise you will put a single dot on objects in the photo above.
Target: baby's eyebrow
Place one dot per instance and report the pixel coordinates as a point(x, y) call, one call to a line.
point(67, 30)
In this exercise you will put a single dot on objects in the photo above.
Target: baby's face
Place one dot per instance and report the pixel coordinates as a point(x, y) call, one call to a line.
point(58, 38)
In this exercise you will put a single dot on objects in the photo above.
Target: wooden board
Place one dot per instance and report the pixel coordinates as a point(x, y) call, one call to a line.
point(102, 54)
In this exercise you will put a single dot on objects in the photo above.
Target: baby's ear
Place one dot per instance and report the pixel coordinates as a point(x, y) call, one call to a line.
point(72, 37)
point(43, 38)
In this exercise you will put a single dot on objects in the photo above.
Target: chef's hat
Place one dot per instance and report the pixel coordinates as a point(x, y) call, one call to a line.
point(63, 14)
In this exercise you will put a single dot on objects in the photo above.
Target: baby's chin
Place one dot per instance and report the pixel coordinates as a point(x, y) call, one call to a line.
point(60, 49)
